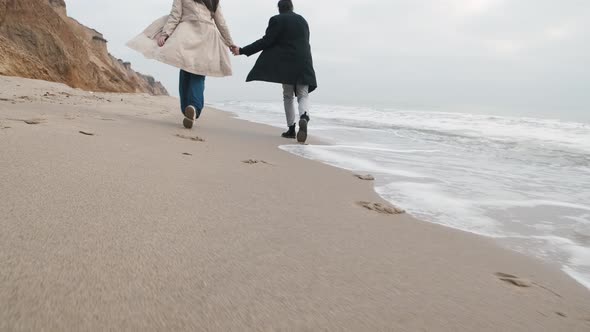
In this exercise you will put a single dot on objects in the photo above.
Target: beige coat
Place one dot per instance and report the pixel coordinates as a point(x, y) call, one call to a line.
point(199, 41)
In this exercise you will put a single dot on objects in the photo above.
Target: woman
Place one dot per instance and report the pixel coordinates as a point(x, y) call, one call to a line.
point(194, 38)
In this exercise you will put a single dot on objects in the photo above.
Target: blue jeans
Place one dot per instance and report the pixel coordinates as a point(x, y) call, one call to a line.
point(192, 89)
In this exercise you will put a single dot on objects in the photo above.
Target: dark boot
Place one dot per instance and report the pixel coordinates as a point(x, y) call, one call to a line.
point(290, 133)
point(302, 134)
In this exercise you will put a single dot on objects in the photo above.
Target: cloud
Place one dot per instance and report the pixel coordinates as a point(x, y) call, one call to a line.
point(469, 8)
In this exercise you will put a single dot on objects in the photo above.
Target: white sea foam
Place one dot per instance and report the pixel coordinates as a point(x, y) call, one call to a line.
point(536, 203)
point(342, 160)
point(521, 180)
point(579, 277)
point(372, 148)
point(429, 201)
point(580, 256)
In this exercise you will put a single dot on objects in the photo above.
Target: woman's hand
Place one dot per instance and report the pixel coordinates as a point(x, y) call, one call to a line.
point(162, 40)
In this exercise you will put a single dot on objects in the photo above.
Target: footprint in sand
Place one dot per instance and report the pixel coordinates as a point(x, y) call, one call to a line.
point(186, 154)
point(367, 177)
point(86, 133)
point(25, 98)
point(195, 138)
point(514, 280)
point(35, 121)
point(380, 208)
point(524, 283)
point(254, 162)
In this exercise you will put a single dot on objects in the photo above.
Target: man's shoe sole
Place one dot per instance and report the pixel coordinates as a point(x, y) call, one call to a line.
point(302, 133)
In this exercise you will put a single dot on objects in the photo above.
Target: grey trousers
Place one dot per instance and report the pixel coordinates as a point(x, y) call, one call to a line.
point(289, 99)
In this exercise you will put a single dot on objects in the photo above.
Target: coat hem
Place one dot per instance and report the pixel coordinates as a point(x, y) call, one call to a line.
point(192, 71)
point(312, 87)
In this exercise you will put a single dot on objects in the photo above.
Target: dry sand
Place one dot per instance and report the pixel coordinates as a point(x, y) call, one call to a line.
point(114, 217)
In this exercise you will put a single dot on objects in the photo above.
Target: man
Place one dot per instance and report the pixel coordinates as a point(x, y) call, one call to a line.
point(286, 59)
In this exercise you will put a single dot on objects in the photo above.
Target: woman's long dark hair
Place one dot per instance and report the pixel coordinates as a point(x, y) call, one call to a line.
point(210, 4)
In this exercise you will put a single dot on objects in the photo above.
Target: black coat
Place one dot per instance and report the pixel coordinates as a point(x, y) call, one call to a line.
point(286, 53)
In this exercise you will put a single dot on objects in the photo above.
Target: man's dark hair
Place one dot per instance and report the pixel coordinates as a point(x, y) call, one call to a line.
point(285, 6)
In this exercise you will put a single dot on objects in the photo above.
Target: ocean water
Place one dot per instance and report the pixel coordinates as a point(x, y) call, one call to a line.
point(523, 181)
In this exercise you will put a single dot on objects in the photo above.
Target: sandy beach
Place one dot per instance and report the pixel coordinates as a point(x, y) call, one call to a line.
point(114, 217)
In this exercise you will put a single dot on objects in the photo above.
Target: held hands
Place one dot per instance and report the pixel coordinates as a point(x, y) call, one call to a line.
point(235, 50)
point(162, 39)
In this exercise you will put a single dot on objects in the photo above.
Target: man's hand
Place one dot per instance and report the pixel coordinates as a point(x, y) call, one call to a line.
point(235, 50)
point(162, 40)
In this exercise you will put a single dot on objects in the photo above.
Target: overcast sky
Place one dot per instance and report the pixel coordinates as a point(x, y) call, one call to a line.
point(527, 55)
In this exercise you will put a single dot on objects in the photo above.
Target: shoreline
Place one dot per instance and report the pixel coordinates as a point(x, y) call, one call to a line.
point(141, 225)
point(314, 153)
